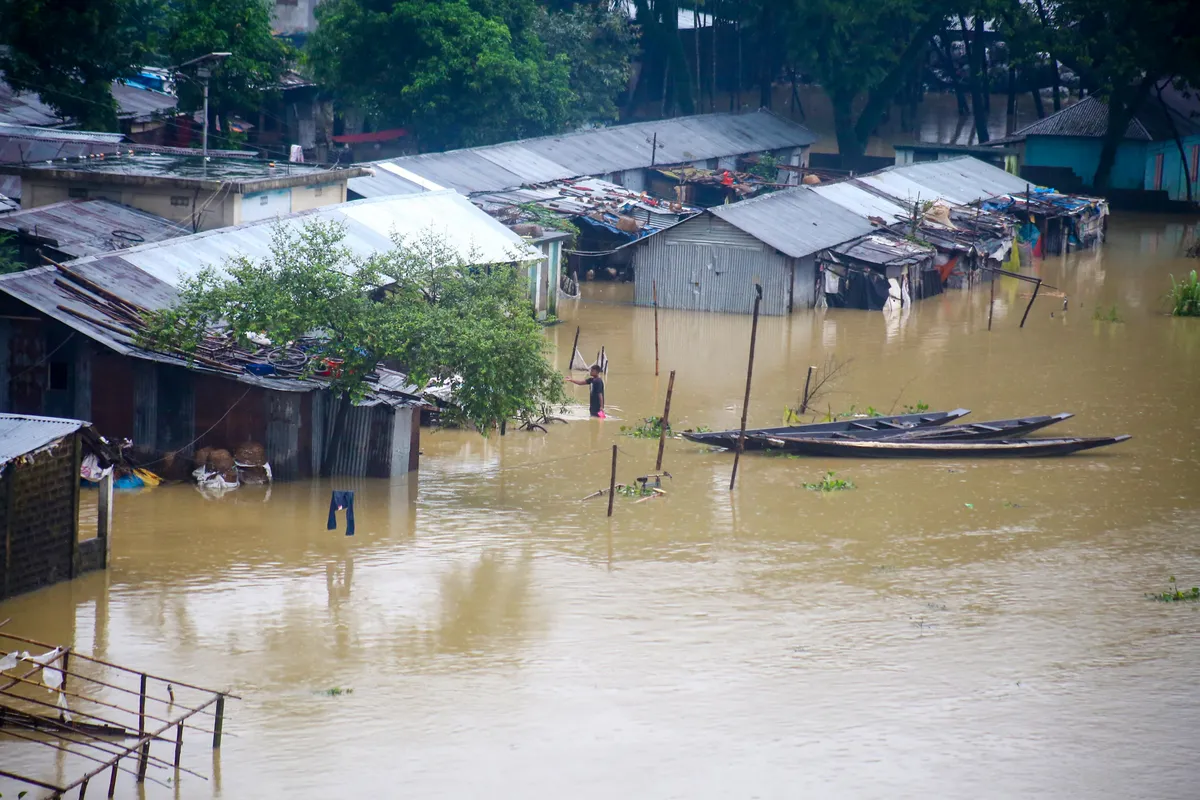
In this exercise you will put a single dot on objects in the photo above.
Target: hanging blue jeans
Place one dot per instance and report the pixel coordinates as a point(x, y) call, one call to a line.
point(339, 501)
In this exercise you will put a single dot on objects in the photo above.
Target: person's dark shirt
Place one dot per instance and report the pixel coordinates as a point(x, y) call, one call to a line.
point(597, 385)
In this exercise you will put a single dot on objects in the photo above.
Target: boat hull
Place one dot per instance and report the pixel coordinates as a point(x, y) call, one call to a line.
point(992, 429)
point(993, 448)
point(899, 423)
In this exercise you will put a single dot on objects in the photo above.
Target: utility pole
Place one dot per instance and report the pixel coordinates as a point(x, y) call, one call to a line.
point(204, 69)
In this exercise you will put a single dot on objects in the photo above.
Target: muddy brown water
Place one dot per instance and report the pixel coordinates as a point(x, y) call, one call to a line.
point(943, 630)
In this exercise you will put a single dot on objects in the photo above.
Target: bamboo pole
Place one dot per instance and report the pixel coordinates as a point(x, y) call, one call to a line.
point(574, 350)
point(612, 481)
point(665, 421)
point(220, 719)
point(992, 301)
point(655, 285)
point(741, 442)
point(807, 382)
point(1031, 299)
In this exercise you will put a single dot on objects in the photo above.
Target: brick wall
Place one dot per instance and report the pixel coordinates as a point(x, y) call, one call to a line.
point(39, 521)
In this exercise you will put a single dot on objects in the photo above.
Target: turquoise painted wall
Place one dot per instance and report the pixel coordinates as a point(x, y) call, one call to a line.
point(1082, 155)
point(1173, 175)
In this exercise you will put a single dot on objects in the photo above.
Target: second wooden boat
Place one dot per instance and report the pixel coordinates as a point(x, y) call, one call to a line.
point(986, 448)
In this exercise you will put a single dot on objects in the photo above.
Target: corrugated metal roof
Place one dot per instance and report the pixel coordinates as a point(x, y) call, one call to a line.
point(24, 108)
point(1088, 117)
point(383, 183)
point(963, 180)
point(22, 434)
point(369, 226)
point(599, 151)
point(140, 104)
point(796, 222)
point(853, 197)
point(85, 228)
point(8, 205)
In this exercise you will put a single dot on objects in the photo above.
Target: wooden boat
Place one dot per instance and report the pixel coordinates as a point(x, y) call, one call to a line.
point(984, 448)
point(902, 422)
point(992, 429)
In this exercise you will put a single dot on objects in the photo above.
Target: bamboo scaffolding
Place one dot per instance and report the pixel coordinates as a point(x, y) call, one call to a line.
point(84, 756)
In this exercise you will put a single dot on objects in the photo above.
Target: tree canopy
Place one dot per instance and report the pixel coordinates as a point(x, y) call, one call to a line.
point(420, 306)
point(70, 52)
point(240, 27)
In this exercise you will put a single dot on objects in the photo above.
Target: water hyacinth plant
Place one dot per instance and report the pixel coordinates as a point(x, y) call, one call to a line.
point(1185, 296)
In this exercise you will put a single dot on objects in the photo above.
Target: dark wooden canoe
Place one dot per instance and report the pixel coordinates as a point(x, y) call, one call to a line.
point(992, 429)
point(903, 422)
point(984, 448)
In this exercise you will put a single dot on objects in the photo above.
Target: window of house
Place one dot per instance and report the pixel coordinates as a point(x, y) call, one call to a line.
point(180, 200)
point(60, 372)
point(77, 193)
point(318, 191)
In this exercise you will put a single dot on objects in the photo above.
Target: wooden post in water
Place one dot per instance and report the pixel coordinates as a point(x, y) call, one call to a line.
point(612, 481)
point(1036, 288)
point(142, 709)
point(991, 301)
point(178, 743)
point(112, 779)
point(807, 382)
point(574, 349)
point(737, 454)
point(219, 722)
point(655, 285)
point(664, 422)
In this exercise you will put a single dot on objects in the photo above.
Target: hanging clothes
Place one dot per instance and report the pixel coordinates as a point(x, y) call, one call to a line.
point(338, 502)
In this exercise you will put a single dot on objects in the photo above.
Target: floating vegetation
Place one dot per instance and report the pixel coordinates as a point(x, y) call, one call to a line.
point(918, 408)
point(830, 483)
point(1174, 594)
point(649, 428)
point(1106, 315)
point(336, 691)
point(1185, 296)
point(635, 490)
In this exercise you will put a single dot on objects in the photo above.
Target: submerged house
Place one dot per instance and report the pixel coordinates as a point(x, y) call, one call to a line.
point(69, 347)
point(40, 465)
point(711, 261)
point(1063, 150)
point(627, 155)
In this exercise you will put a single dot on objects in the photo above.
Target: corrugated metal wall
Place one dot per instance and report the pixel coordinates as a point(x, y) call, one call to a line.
point(145, 405)
point(804, 283)
point(706, 264)
point(283, 434)
point(371, 440)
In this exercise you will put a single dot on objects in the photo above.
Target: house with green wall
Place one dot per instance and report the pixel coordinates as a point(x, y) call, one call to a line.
point(1064, 148)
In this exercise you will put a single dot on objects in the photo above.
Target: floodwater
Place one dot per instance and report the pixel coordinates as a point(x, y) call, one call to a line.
point(942, 630)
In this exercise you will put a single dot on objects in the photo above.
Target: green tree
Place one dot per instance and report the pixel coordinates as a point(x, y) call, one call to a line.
point(598, 43)
point(861, 52)
point(241, 27)
point(420, 305)
point(1121, 50)
point(451, 74)
point(70, 52)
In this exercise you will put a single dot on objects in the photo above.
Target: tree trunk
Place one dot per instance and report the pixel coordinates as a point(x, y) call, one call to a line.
point(974, 58)
point(948, 64)
point(1038, 105)
point(1056, 80)
point(850, 147)
point(1010, 110)
point(766, 72)
point(333, 444)
point(984, 63)
point(737, 86)
point(1187, 173)
point(881, 96)
point(696, 41)
point(712, 90)
point(1122, 106)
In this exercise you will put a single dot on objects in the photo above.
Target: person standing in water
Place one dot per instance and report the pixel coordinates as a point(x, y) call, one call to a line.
point(597, 395)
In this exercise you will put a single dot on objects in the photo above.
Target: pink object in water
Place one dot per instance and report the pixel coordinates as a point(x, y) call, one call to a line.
point(601, 415)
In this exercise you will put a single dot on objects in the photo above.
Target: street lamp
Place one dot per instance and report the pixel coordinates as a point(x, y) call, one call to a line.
point(204, 68)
